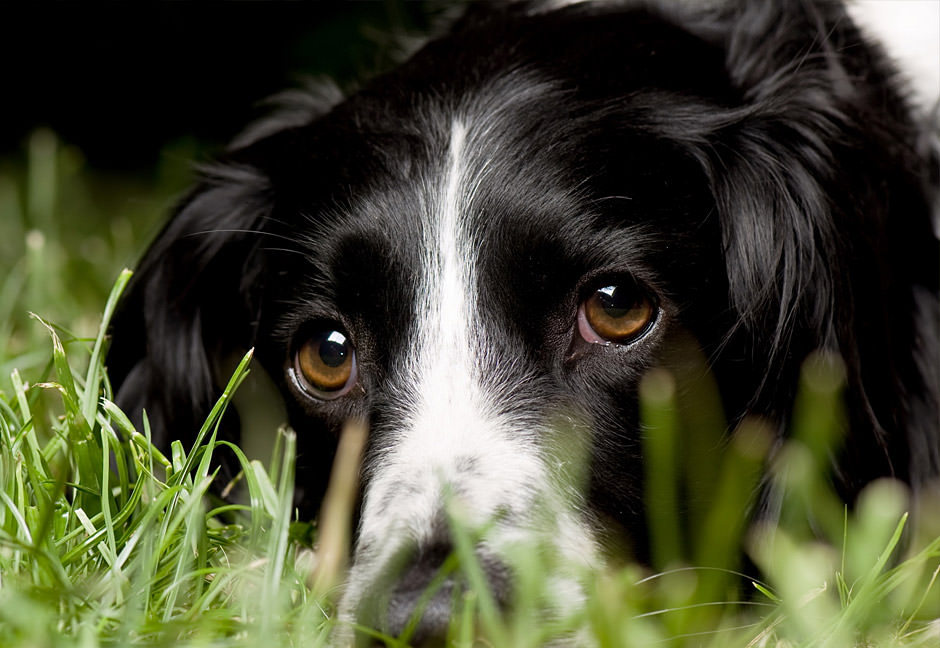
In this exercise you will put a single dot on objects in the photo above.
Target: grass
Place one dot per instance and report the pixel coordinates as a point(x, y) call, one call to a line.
point(106, 541)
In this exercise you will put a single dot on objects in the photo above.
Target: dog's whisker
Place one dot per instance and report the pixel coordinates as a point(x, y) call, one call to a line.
point(287, 251)
point(706, 604)
point(607, 198)
point(255, 232)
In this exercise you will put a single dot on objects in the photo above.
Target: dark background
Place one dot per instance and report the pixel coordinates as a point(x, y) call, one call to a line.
point(122, 80)
point(107, 109)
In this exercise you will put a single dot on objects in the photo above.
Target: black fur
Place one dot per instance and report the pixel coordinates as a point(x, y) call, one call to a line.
point(755, 165)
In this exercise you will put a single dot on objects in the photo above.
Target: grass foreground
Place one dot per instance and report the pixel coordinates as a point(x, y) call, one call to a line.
point(107, 541)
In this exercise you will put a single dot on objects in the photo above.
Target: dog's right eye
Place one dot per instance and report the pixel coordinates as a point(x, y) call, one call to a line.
point(326, 364)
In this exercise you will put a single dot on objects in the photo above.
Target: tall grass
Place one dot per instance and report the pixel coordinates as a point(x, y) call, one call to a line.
point(65, 233)
point(105, 540)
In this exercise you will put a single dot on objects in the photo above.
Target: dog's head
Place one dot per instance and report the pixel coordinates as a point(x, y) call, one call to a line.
point(482, 252)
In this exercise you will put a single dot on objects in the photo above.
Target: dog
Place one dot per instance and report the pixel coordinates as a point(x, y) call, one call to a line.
point(483, 251)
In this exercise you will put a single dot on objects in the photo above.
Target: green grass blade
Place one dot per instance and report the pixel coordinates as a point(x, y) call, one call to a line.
point(95, 367)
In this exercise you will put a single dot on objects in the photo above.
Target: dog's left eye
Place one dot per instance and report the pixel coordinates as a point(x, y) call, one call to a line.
point(326, 364)
point(619, 313)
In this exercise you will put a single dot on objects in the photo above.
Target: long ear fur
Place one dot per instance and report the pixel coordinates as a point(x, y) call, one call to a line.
point(824, 213)
point(189, 302)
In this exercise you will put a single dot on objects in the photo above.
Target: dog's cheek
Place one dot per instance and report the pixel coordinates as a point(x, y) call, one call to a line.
point(611, 483)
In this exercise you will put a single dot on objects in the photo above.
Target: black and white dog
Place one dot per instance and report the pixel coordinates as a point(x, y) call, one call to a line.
point(483, 251)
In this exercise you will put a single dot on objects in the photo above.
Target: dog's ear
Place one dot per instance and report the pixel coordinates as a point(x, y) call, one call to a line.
point(190, 302)
point(807, 166)
point(820, 193)
point(772, 161)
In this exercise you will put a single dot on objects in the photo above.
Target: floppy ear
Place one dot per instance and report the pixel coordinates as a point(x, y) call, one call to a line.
point(772, 167)
point(191, 301)
point(824, 216)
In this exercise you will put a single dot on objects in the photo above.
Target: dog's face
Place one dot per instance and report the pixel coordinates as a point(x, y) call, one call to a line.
point(483, 252)
point(488, 295)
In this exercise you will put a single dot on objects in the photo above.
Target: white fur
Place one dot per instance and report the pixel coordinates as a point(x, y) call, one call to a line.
point(453, 420)
point(910, 32)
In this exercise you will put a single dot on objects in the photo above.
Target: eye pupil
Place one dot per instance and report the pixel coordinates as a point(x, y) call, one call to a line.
point(334, 350)
point(615, 302)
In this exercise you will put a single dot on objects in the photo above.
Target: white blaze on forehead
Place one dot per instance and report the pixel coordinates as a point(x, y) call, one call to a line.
point(451, 434)
point(451, 437)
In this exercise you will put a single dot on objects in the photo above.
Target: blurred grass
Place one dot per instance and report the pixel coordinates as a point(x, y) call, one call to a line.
point(65, 233)
point(105, 541)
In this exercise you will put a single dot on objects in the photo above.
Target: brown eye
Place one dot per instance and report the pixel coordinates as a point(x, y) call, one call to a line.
point(616, 313)
point(326, 364)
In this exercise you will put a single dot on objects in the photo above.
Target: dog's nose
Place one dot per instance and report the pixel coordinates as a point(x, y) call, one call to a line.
point(421, 600)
